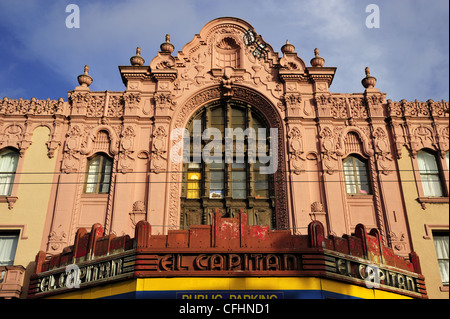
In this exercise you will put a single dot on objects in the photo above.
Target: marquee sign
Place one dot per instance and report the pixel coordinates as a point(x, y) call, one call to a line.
point(228, 248)
point(86, 274)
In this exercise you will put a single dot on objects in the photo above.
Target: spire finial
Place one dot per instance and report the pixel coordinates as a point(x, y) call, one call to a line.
point(288, 48)
point(167, 46)
point(317, 61)
point(85, 79)
point(369, 81)
point(137, 60)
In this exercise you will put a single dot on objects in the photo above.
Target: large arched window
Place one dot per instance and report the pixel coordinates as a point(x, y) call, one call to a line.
point(224, 170)
point(356, 176)
point(429, 174)
point(98, 177)
point(8, 166)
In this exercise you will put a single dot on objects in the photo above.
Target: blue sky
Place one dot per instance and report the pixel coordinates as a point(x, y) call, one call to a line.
point(408, 54)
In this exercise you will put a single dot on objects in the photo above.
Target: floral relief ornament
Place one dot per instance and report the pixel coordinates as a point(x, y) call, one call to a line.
point(329, 149)
point(126, 150)
point(158, 156)
point(296, 149)
point(382, 150)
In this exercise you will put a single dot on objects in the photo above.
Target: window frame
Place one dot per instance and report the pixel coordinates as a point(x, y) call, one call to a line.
point(13, 172)
point(356, 182)
point(443, 175)
point(223, 199)
point(441, 233)
point(12, 197)
point(13, 233)
point(228, 169)
point(99, 175)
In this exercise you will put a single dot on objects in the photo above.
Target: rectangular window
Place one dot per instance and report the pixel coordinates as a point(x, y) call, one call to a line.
point(8, 165)
point(429, 174)
point(356, 176)
point(441, 243)
point(261, 181)
point(239, 180)
point(99, 175)
point(217, 180)
point(194, 178)
point(8, 247)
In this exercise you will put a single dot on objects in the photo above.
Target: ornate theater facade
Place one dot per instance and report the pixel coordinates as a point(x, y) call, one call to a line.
point(309, 204)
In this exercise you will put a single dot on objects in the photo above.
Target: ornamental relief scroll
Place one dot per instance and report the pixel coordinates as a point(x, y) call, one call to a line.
point(296, 152)
point(329, 148)
point(158, 154)
point(382, 150)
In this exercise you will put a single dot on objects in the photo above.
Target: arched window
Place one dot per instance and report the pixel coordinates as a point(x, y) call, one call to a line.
point(98, 174)
point(232, 178)
point(356, 176)
point(429, 174)
point(8, 166)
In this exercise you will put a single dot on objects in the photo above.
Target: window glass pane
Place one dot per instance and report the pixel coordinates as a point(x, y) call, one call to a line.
point(350, 182)
point(94, 166)
point(261, 181)
point(8, 247)
point(99, 174)
point(194, 165)
point(427, 163)
point(216, 185)
point(216, 163)
point(239, 184)
point(8, 166)
point(106, 175)
point(238, 165)
point(431, 185)
point(193, 185)
point(429, 174)
point(441, 243)
point(218, 120)
point(356, 176)
point(238, 118)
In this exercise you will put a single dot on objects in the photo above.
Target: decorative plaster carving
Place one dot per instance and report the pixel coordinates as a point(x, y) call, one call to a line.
point(163, 100)
point(329, 149)
point(296, 153)
point(71, 155)
point(158, 161)
point(382, 150)
point(422, 137)
point(126, 159)
point(34, 106)
point(56, 240)
point(138, 213)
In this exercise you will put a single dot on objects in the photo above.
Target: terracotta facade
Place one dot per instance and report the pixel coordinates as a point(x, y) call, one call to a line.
point(226, 63)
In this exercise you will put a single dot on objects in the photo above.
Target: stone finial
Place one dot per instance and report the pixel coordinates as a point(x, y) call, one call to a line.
point(137, 60)
point(288, 48)
point(85, 79)
point(369, 81)
point(317, 61)
point(167, 46)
